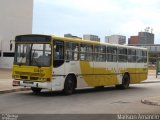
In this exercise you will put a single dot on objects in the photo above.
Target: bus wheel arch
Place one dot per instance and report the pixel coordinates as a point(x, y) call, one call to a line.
point(70, 84)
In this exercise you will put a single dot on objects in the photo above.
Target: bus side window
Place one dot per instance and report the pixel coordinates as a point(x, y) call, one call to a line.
point(144, 53)
point(131, 55)
point(100, 53)
point(86, 52)
point(122, 54)
point(139, 56)
point(111, 54)
point(71, 51)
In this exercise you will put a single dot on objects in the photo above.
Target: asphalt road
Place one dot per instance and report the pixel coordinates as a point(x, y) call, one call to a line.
point(87, 101)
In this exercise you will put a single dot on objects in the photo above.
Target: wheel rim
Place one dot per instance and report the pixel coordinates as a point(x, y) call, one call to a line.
point(70, 85)
point(126, 81)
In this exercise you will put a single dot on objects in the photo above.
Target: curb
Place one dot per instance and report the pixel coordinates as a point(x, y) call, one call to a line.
point(14, 90)
point(150, 82)
point(150, 102)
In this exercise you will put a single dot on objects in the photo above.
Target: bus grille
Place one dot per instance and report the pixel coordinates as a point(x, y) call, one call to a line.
point(33, 78)
point(24, 77)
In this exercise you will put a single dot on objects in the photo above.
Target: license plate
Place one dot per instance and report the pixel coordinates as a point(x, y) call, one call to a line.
point(16, 83)
point(28, 82)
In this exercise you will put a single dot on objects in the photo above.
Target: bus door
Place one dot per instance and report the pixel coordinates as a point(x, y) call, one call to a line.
point(58, 58)
point(86, 63)
point(100, 65)
point(122, 62)
point(141, 57)
point(131, 67)
point(71, 58)
point(111, 65)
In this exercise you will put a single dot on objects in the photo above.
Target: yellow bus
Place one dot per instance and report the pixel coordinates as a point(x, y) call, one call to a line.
point(64, 64)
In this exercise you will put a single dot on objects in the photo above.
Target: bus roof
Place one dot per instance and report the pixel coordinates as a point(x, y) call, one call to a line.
point(94, 42)
point(84, 41)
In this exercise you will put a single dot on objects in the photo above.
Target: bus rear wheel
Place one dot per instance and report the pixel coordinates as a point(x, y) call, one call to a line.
point(36, 90)
point(69, 85)
point(125, 82)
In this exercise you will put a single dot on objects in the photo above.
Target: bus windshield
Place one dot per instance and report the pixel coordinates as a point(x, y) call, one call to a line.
point(33, 55)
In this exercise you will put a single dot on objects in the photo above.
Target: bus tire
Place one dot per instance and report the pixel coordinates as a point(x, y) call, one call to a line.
point(125, 82)
point(36, 90)
point(69, 85)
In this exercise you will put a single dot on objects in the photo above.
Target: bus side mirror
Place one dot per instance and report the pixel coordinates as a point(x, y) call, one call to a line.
point(11, 45)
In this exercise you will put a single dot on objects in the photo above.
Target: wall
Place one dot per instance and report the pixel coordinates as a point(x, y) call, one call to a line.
point(15, 18)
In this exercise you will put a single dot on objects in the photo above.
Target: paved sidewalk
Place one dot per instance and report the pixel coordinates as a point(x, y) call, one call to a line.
point(151, 101)
point(152, 79)
point(6, 82)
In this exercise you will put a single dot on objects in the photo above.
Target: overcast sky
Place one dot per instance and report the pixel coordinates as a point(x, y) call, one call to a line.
point(100, 17)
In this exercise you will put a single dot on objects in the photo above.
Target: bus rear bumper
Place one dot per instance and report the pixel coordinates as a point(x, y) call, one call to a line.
point(45, 85)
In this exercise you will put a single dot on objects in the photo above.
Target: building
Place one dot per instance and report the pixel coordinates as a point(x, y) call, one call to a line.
point(71, 36)
point(133, 40)
point(142, 38)
point(17, 19)
point(115, 39)
point(146, 38)
point(91, 37)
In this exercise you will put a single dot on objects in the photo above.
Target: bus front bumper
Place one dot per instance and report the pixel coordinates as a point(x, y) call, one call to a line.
point(45, 85)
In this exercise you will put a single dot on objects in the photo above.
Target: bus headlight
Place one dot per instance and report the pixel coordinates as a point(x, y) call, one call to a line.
point(16, 76)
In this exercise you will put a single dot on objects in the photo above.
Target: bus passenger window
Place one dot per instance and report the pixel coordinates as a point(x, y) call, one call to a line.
point(86, 51)
point(71, 51)
point(131, 55)
point(144, 53)
point(111, 54)
point(139, 56)
point(100, 53)
point(122, 54)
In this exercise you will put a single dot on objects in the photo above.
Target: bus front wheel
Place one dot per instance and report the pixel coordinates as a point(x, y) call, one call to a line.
point(69, 85)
